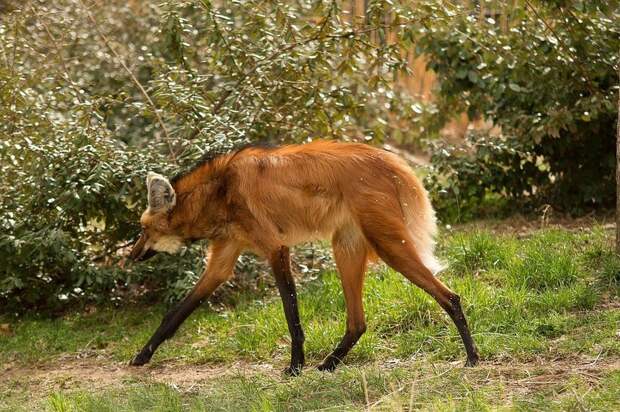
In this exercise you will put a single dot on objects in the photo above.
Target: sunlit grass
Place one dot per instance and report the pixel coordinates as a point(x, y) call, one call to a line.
point(543, 296)
point(445, 388)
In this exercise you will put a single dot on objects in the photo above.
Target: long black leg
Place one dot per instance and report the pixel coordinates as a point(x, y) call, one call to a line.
point(455, 312)
point(221, 261)
point(348, 341)
point(280, 263)
point(403, 257)
point(351, 255)
point(169, 325)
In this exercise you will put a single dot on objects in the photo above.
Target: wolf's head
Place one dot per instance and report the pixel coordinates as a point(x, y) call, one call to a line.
point(157, 234)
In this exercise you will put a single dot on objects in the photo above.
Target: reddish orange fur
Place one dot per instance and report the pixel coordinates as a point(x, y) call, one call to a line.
point(260, 199)
point(364, 199)
point(266, 198)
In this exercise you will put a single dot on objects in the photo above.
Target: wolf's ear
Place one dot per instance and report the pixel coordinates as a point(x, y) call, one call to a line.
point(161, 195)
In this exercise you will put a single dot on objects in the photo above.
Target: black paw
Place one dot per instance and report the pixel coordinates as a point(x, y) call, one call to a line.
point(327, 366)
point(293, 370)
point(473, 361)
point(140, 359)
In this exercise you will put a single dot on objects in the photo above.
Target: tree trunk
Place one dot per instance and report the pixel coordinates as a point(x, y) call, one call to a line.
point(618, 173)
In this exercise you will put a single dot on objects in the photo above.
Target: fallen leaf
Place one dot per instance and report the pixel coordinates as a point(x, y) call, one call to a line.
point(5, 329)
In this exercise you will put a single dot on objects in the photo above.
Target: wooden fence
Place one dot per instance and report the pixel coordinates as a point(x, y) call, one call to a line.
point(422, 81)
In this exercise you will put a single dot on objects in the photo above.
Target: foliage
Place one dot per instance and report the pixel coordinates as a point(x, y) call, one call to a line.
point(92, 96)
point(477, 176)
point(549, 80)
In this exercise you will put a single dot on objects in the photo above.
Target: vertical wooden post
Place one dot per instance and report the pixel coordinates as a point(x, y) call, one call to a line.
point(618, 172)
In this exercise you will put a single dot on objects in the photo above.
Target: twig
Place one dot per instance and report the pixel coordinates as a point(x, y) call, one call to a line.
point(365, 386)
point(217, 119)
point(109, 252)
point(134, 79)
point(601, 351)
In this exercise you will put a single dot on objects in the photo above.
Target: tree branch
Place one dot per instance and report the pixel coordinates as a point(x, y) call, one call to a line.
point(134, 79)
point(291, 46)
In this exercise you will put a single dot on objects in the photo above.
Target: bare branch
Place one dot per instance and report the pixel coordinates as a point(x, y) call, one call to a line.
point(134, 79)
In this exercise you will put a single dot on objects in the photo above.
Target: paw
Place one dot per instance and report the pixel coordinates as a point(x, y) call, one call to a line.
point(473, 361)
point(140, 359)
point(327, 366)
point(293, 370)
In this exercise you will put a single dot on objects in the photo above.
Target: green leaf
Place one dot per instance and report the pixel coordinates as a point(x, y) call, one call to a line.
point(515, 87)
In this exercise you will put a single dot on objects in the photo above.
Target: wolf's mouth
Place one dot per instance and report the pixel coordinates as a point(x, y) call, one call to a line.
point(139, 252)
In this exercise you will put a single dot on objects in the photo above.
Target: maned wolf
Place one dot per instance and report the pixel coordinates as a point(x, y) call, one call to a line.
point(265, 200)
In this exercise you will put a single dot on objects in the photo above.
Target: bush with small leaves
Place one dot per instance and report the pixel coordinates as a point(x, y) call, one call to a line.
point(549, 78)
point(94, 95)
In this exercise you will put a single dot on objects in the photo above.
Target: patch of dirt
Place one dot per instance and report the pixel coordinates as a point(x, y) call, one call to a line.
point(524, 225)
point(72, 373)
point(97, 373)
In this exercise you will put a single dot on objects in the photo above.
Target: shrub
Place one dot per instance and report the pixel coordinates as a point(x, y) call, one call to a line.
point(484, 175)
point(549, 81)
point(92, 96)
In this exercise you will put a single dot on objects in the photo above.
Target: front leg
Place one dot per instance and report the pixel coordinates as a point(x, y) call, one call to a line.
point(281, 265)
point(169, 325)
point(220, 264)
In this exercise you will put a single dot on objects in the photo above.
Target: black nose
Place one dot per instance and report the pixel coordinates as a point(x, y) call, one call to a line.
point(147, 255)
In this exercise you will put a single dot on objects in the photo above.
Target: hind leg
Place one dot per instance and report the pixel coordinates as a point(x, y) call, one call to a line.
point(350, 252)
point(397, 250)
point(281, 265)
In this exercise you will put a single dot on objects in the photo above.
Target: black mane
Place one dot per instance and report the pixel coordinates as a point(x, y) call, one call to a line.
point(213, 154)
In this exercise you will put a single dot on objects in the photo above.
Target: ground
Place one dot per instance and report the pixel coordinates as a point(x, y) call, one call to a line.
point(542, 303)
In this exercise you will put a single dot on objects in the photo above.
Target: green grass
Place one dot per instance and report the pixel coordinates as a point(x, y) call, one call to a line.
point(547, 298)
point(446, 387)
